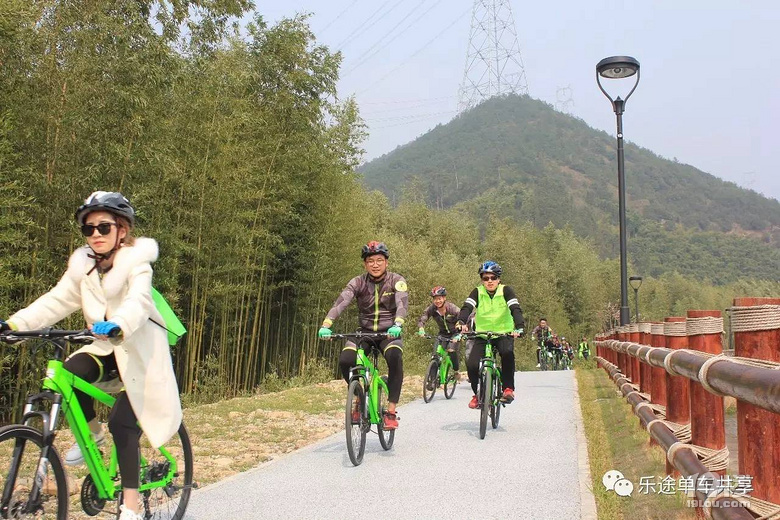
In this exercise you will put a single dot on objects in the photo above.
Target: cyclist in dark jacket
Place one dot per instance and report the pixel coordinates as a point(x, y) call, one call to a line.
point(445, 314)
point(382, 300)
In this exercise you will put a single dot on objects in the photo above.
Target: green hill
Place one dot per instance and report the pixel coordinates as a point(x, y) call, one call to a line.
point(518, 157)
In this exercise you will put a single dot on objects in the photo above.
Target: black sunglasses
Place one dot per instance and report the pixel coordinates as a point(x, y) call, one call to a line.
point(104, 228)
point(489, 278)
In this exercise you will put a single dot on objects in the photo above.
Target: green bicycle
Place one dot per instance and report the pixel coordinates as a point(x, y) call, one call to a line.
point(440, 371)
point(367, 395)
point(490, 387)
point(34, 481)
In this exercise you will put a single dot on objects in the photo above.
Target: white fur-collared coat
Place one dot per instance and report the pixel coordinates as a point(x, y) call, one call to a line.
point(124, 297)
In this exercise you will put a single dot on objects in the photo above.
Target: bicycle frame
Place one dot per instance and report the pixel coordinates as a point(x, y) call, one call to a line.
point(489, 362)
point(368, 373)
point(59, 386)
point(443, 357)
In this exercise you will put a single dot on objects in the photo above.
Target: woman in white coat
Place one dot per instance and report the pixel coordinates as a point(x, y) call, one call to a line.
point(110, 281)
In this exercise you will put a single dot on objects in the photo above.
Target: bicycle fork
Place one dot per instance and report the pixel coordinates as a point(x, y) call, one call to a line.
point(49, 419)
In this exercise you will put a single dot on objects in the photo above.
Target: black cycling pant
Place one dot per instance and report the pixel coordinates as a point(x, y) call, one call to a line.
point(122, 422)
point(506, 349)
point(586, 354)
point(392, 350)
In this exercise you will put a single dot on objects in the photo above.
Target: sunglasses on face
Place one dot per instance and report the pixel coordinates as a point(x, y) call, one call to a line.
point(489, 278)
point(104, 228)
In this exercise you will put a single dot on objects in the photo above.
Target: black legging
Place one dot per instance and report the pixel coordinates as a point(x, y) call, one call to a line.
point(122, 422)
point(393, 353)
point(505, 347)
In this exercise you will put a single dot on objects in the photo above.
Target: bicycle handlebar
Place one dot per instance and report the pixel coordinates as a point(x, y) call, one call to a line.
point(81, 337)
point(360, 335)
point(483, 335)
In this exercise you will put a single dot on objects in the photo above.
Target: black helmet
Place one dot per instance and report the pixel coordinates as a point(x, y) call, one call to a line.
point(490, 267)
point(438, 291)
point(111, 201)
point(375, 248)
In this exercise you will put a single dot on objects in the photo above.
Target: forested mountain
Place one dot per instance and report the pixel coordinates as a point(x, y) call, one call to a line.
point(518, 157)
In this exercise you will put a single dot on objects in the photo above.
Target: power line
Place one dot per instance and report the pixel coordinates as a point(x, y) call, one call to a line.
point(338, 16)
point(418, 51)
point(418, 120)
point(395, 101)
point(360, 30)
point(363, 57)
point(409, 116)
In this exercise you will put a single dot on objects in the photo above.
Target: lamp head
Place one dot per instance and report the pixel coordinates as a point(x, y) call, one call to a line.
point(617, 67)
point(635, 282)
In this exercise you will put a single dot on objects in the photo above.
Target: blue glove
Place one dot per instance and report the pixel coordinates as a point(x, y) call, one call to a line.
point(105, 328)
point(519, 332)
point(394, 331)
point(324, 333)
point(4, 326)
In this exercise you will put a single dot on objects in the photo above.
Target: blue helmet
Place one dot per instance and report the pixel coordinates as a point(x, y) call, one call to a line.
point(490, 267)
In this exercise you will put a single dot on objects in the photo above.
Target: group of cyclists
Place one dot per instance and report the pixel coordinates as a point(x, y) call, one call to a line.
point(109, 280)
point(382, 300)
point(562, 350)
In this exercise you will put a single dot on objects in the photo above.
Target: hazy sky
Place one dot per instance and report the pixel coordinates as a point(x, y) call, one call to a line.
point(709, 93)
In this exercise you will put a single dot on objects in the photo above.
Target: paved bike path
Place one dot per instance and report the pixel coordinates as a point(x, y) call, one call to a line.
point(530, 467)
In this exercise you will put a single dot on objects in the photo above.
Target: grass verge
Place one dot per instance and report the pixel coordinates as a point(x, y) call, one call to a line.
point(616, 441)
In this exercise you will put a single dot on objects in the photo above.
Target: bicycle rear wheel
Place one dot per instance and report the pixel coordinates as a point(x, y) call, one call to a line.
point(20, 454)
point(168, 502)
point(485, 393)
point(356, 432)
point(431, 381)
point(450, 382)
point(495, 403)
point(386, 437)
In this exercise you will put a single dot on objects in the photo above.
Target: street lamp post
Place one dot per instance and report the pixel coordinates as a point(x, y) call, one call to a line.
point(619, 67)
point(636, 283)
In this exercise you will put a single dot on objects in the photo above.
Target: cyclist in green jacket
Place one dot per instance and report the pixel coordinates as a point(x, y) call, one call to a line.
point(584, 348)
point(497, 310)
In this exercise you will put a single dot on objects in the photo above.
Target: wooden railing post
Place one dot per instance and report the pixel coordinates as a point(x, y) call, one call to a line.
point(633, 336)
point(678, 408)
point(758, 430)
point(625, 358)
point(708, 428)
point(644, 367)
point(658, 377)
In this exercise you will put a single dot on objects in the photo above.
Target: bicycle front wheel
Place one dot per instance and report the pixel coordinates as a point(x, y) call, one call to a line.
point(495, 403)
point(486, 392)
point(354, 417)
point(386, 437)
point(20, 459)
point(168, 502)
point(451, 381)
point(431, 381)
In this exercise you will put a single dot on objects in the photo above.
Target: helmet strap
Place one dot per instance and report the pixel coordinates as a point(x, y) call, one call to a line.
point(102, 257)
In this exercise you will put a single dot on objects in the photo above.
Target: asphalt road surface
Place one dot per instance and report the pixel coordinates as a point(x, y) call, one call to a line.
point(534, 466)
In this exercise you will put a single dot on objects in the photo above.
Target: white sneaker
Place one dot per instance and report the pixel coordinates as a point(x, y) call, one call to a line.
point(538, 365)
point(128, 514)
point(74, 457)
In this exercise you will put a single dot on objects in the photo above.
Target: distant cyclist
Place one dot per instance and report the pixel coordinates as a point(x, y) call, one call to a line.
point(540, 335)
point(497, 310)
point(584, 348)
point(445, 314)
point(382, 300)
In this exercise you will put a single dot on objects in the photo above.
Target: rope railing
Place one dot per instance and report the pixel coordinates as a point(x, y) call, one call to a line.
point(675, 375)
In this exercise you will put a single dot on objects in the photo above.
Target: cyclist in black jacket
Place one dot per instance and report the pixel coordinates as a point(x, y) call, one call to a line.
point(445, 314)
